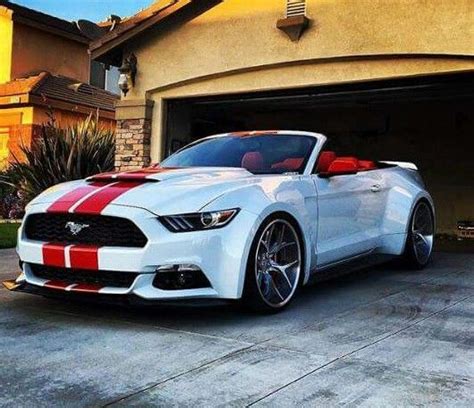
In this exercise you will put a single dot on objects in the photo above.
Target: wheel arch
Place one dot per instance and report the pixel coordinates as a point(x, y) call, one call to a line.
point(408, 254)
point(305, 242)
point(421, 198)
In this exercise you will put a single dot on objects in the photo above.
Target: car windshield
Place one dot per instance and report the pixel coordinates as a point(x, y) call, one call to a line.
point(259, 154)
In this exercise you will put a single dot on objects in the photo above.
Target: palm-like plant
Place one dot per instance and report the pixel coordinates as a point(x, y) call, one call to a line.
point(59, 155)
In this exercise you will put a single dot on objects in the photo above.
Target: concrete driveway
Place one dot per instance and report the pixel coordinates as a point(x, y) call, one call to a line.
point(381, 337)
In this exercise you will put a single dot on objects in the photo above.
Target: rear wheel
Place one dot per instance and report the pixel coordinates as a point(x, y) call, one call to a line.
point(274, 267)
point(420, 239)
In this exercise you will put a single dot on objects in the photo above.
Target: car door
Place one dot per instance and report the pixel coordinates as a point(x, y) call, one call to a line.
point(350, 210)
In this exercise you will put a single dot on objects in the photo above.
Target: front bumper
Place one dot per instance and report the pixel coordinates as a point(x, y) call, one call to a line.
point(221, 254)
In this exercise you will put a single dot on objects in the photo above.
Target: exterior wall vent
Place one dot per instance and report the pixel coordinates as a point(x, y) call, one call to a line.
point(295, 21)
point(295, 8)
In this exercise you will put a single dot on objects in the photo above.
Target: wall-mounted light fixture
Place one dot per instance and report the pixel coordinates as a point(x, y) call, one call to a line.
point(128, 72)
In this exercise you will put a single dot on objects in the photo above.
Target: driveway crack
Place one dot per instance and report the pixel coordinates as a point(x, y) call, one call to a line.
point(392, 334)
point(199, 367)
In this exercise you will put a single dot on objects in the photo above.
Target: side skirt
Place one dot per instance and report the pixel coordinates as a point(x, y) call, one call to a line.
point(346, 266)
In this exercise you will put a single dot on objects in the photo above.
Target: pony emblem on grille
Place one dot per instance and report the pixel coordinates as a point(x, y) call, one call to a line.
point(75, 227)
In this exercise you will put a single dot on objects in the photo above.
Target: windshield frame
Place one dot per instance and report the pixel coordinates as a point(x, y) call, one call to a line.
point(309, 160)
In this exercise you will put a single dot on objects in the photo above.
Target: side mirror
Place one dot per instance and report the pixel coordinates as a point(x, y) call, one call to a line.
point(340, 167)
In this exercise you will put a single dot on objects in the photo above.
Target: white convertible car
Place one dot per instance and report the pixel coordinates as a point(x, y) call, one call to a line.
point(247, 215)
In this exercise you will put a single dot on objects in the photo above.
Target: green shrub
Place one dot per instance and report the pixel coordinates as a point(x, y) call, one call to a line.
point(60, 155)
point(11, 202)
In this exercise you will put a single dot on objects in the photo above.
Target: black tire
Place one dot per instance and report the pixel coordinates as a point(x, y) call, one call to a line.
point(411, 255)
point(252, 295)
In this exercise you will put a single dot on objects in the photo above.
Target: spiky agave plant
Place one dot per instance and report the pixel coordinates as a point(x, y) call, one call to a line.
point(59, 155)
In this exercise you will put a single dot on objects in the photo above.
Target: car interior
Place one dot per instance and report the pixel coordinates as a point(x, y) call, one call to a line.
point(255, 162)
point(328, 162)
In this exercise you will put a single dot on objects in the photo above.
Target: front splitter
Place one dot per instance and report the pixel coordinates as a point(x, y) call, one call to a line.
point(123, 300)
point(12, 285)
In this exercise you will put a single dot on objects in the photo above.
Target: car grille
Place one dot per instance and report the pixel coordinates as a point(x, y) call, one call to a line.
point(101, 230)
point(102, 278)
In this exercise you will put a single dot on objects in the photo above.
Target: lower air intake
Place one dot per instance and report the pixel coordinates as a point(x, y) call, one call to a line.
point(102, 278)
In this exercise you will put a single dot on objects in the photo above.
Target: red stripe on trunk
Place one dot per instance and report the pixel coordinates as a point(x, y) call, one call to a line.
point(65, 202)
point(97, 202)
point(84, 257)
point(87, 288)
point(53, 255)
point(52, 284)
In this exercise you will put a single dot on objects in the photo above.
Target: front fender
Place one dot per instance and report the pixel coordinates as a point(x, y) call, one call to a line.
point(299, 203)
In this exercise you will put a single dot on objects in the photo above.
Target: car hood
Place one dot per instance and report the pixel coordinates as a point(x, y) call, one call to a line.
point(165, 191)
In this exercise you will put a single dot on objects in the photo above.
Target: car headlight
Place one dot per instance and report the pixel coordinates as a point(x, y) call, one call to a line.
point(198, 221)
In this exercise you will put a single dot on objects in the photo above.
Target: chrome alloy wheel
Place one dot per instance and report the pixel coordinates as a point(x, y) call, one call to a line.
point(278, 263)
point(422, 230)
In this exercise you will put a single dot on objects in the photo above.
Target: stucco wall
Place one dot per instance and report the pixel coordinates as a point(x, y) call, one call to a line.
point(6, 35)
point(35, 50)
point(17, 124)
point(239, 35)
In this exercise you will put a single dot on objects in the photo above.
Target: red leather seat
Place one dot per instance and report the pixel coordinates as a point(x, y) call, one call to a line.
point(367, 165)
point(252, 161)
point(325, 159)
point(343, 164)
point(291, 164)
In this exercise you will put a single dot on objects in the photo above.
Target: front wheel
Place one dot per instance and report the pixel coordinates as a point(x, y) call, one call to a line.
point(274, 267)
point(420, 239)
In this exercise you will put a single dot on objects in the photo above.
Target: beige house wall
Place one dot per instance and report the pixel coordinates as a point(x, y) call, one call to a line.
point(6, 40)
point(236, 47)
point(34, 50)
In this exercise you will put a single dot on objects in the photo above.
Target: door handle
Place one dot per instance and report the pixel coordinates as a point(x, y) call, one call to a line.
point(375, 188)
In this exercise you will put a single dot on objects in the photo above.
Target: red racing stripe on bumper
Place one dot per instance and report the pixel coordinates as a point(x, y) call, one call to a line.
point(64, 203)
point(97, 202)
point(84, 257)
point(52, 284)
point(53, 255)
point(86, 288)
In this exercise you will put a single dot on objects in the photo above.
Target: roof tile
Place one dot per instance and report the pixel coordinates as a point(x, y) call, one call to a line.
point(61, 88)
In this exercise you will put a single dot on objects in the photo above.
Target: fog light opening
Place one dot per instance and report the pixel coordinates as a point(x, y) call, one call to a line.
point(181, 276)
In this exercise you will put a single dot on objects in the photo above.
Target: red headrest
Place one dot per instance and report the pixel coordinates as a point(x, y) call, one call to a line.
point(367, 165)
point(291, 164)
point(252, 161)
point(325, 159)
point(344, 165)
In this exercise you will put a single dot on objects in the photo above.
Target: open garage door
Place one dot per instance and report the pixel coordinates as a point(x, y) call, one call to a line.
point(426, 120)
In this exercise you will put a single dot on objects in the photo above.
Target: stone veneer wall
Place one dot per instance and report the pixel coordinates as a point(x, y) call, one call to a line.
point(132, 144)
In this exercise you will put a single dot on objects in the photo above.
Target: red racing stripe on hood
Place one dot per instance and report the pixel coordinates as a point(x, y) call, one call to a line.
point(84, 257)
point(64, 203)
point(133, 175)
point(53, 255)
point(96, 203)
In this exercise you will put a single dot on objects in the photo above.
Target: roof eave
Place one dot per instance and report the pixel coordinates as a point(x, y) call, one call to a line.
point(175, 12)
point(53, 30)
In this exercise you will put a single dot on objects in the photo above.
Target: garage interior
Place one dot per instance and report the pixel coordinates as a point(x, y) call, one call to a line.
point(426, 120)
